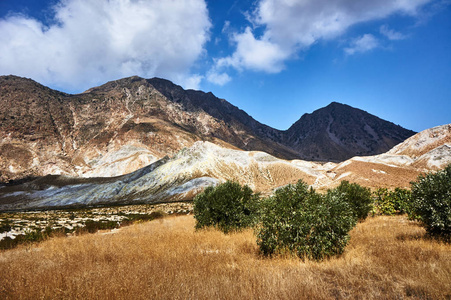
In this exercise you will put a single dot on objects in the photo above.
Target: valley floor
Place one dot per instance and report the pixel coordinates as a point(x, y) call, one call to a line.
point(388, 257)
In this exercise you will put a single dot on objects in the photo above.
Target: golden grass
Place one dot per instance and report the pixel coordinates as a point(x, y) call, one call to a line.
point(388, 257)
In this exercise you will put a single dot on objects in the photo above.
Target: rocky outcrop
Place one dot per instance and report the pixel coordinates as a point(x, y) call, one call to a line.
point(430, 148)
point(424, 141)
point(427, 151)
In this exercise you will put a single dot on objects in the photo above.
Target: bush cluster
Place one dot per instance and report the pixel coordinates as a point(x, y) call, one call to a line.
point(392, 202)
point(30, 236)
point(358, 198)
point(300, 221)
point(295, 220)
point(90, 226)
point(431, 202)
point(228, 207)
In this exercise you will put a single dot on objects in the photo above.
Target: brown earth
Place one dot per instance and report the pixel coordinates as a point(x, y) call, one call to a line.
point(376, 175)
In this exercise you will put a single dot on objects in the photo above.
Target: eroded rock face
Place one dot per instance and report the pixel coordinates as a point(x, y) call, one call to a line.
point(425, 141)
point(169, 179)
point(127, 124)
point(110, 130)
point(203, 164)
point(430, 148)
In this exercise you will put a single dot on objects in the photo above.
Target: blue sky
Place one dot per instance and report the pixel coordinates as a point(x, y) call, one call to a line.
point(275, 59)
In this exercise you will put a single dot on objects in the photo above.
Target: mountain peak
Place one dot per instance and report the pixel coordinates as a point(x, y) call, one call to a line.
point(338, 105)
point(335, 104)
point(339, 131)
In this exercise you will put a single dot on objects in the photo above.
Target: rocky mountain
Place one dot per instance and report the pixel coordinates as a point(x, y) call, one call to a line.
point(127, 124)
point(192, 169)
point(427, 151)
point(114, 129)
point(338, 132)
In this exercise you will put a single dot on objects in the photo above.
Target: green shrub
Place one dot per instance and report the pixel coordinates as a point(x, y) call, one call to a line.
point(228, 206)
point(302, 222)
point(358, 198)
point(5, 226)
point(92, 226)
point(431, 201)
point(402, 200)
point(382, 202)
point(392, 202)
point(31, 236)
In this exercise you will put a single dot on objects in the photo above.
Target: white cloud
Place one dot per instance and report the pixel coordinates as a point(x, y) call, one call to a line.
point(391, 34)
point(95, 41)
point(293, 25)
point(226, 27)
point(364, 43)
point(218, 78)
point(254, 54)
point(188, 81)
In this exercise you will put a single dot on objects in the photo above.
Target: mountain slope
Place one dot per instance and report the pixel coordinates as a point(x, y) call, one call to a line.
point(425, 141)
point(427, 151)
point(430, 148)
point(338, 132)
point(115, 128)
point(176, 179)
point(124, 125)
point(192, 169)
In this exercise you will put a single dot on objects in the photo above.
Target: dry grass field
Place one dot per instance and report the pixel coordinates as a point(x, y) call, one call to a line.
point(387, 258)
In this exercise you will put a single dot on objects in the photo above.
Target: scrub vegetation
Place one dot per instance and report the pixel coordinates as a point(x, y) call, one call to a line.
point(431, 202)
point(228, 207)
point(388, 257)
point(295, 244)
point(34, 226)
point(297, 220)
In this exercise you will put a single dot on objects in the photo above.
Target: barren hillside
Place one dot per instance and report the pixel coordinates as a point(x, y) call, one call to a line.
point(124, 125)
point(192, 169)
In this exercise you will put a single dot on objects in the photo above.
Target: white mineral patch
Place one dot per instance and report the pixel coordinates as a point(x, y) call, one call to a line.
point(422, 140)
point(196, 184)
point(115, 163)
point(386, 159)
point(343, 176)
point(437, 158)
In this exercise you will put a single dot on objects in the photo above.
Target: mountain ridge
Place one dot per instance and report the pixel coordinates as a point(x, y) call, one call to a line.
point(126, 124)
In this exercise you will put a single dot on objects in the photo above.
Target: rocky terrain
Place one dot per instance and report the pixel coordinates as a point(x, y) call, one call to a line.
point(192, 169)
point(169, 179)
point(127, 124)
point(427, 151)
point(13, 224)
point(338, 132)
